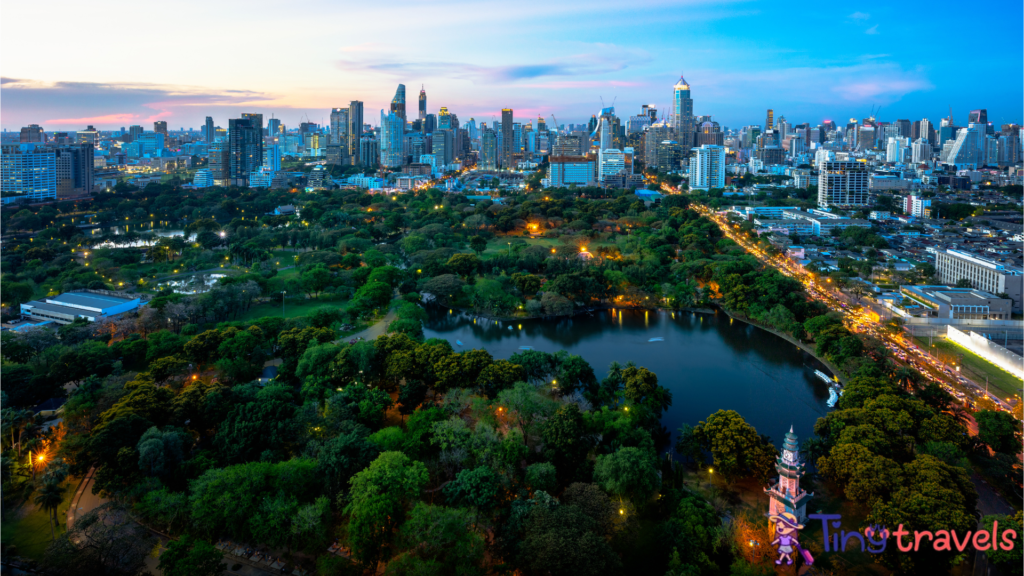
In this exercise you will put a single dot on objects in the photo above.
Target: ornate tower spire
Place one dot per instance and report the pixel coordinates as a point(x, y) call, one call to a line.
point(786, 494)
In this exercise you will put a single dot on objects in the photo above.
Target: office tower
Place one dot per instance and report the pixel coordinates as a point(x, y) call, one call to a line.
point(682, 113)
point(604, 129)
point(369, 150)
point(952, 266)
point(843, 184)
point(568, 145)
point(274, 127)
point(208, 130)
point(134, 132)
point(245, 150)
point(651, 111)
point(444, 119)
point(443, 146)
point(488, 150)
point(272, 157)
point(894, 149)
point(219, 156)
point(611, 162)
point(592, 125)
point(541, 125)
point(638, 124)
point(866, 138)
point(160, 126)
point(921, 151)
point(27, 172)
point(517, 138)
point(915, 206)
point(87, 136)
point(398, 107)
point(339, 126)
point(655, 135)
point(769, 121)
point(926, 131)
point(710, 133)
point(423, 103)
point(32, 133)
point(669, 155)
point(151, 142)
point(566, 171)
point(507, 139)
point(978, 116)
point(903, 126)
point(256, 122)
point(392, 127)
point(707, 170)
point(355, 132)
point(967, 151)
point(783, 128)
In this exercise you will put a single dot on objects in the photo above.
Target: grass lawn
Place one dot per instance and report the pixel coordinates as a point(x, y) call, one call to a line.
point(27, 527)
point(1001, 383)
point(499, 245)
point(292, 308)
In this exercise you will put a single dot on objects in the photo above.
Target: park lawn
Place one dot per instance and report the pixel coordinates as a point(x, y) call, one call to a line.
point(292, 308)
point(1001, 383)
point(27, 527)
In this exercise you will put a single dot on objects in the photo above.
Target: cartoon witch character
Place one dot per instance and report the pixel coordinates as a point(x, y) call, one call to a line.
point(786, 526)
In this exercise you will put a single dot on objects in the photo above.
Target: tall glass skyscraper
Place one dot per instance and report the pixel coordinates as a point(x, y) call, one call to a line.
point(398, 104)
point(423, 103)
point(682, 112)
point(392, 127)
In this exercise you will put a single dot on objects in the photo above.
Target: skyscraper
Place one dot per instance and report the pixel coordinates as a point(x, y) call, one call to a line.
point(355, 131)
point(339, 126)
point(444, 119)
point(273, 127)
point(134, 132)
point(219, 162)
point(160, 126)
point(32, 133)
point(843, 183)
point(769, 121)
point(978, 116)
point(507, 139)
point(398, 107)
point(682, 112)
point(245, 152)
point(926, 131)
point(392, 127)
point(423, 103)
point(208, 136)
point(707, 170)
point(488, 150)
point(256, 122)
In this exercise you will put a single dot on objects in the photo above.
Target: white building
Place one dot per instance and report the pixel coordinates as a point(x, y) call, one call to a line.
point(203, 178)
point(921, 151)
point(612, 162)
point(707, 170)
point(915, 205)
point(952, 266)
point(843, 184)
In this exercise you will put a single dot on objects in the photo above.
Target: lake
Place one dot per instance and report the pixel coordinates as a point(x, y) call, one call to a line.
point(708, 361)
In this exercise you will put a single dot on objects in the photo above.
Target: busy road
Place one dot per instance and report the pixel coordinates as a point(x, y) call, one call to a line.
point(861, 320)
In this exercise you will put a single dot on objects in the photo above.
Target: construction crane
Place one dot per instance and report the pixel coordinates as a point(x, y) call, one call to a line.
point(555, 120)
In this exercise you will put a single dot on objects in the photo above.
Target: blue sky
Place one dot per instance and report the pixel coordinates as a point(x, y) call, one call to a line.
point(810, 61)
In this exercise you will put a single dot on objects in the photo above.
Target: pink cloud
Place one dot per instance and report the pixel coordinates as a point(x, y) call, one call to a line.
point(108, 119)
point(575, 84)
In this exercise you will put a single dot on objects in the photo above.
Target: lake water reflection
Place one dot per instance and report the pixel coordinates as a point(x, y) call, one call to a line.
point(708, 361)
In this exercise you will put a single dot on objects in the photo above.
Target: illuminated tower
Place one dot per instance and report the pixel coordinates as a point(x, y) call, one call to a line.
point(769, 123)
point(682, 112)
point(786, 495)
point(423, 103)
point(507, 139)
point(398, 103)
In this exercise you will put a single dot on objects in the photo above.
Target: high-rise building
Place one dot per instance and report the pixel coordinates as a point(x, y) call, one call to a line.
point(926, 131)
point(272, 157)
point(707, 169)
point(903, 127)
point(488, 150)
point(670, 154)
point(160, 126)
point(769, 120)
point(219, 154)
point(245, 150)
point(682, 112)
point(570, 170)
point(33, 133)
point(505, 158)
point(423, 103)
point(843, 183)
point(208, 130)
point(967, 151)
point(392, 127)
point(444, 119)
point(355, 132)
point(921, 151)
point(339, 126)
point(398, 106)
point(611, 162)
point(134, 132)
point(443, 146)
point(256, 121)
point(274, 127)
point(710, 133)
point(978, 116)
point(88, 136)
point(28, 172)
point(369, 150)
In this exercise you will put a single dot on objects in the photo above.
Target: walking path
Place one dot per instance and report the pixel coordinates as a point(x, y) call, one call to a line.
point(84, 500)
point(375, 330)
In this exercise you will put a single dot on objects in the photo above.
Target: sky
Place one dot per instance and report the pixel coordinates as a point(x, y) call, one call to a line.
point(111, 63)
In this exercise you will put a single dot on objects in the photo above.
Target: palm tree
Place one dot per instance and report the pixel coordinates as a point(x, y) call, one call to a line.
point(50, 496)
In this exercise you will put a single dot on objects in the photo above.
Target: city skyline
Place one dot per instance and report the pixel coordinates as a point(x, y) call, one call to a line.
point(806, 61)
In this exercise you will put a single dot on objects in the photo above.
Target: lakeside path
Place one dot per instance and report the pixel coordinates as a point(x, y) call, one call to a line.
point(372, 332)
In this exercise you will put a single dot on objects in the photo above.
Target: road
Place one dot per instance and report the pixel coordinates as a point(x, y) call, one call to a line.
point(377, 329)
point(858, 319)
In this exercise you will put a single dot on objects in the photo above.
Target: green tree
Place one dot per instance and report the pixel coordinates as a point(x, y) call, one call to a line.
point(49, 497)
point(628, 472)
point(378, 499)
point(315, 279)
point(464, 264)
point(736, 447)
point(190, 556)
point(477, 243)
point(498, 376)
point(1000, 430)
point(438, 541)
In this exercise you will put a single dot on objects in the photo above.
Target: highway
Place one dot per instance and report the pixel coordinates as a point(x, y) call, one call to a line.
point(860, 320)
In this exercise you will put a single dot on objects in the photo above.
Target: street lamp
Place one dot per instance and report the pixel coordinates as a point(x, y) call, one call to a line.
point(283, 292)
